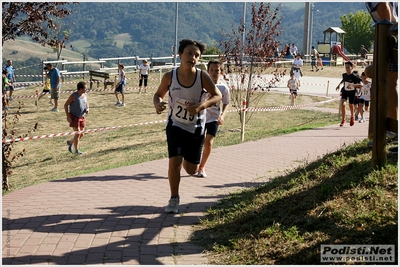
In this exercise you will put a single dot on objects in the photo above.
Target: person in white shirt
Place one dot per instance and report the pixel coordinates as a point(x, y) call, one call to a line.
point(293, 50)
point(365, 97)
point(296, 67)
point(314, 56)
point(214, 115)
point(144, 70)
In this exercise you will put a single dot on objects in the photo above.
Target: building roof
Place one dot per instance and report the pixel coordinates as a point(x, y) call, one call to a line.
point(334, 29)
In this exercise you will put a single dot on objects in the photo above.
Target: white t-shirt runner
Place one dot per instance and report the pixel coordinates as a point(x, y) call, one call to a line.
point(214, 111)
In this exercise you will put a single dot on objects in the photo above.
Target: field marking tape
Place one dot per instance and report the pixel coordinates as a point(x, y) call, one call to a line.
point(153, 122)
point(88, 90)
point(78, 132)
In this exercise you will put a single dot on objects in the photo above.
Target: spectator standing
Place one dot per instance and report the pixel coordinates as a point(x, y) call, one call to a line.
point(293, 50)
point(144, 70)
point(4, 84)
point(11, 78)
point(120, 87)
point(363, 54)
point(365, 97)
point(314, 56)
point(296, 67)
point(55, 84)
point(286, 49)
point(319, 62)
point(76, 107)
point(215, 116)
point(187, 87)
point(351, 82)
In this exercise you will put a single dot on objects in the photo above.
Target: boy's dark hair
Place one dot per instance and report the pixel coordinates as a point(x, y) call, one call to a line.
point(363, 74)
point(80, 85)
point(213, 62)
point(185, 42)
point(349, 63)
point(122, 65)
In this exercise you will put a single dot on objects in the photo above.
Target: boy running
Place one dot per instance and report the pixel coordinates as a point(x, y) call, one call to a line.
point(351, 82)
point(187, 102)
point(214, 115)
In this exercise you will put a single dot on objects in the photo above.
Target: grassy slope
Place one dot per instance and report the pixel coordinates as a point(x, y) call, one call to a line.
point(338, 199)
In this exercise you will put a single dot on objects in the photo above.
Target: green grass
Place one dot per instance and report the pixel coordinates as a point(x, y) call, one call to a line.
point(338, 199)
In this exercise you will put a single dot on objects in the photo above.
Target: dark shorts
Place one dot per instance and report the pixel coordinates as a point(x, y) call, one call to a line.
point(10, 88)
point(46, 91)
point(362, 101)
point(313, 61)
point(184, 144)
point(143, 77)
point(212, 128)
point(356, 100)
point(77, 122)
point(294, 92)
point(351, 95)
point(120, 89)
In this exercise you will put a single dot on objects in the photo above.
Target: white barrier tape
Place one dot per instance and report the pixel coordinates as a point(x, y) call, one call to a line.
point(152, 122)
point(78, 132)
point(88, 90)
point(283, 107)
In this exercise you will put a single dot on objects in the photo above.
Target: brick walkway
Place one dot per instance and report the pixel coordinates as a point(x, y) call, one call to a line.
point(117, 216)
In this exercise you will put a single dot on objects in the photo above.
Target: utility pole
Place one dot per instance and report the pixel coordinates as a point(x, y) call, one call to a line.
point(176, 33)
point(306, 34)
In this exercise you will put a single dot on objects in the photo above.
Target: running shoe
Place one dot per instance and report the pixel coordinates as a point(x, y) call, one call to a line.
point(78, 152)
point(118, 103)
point(342, 123)
point(172, 206)
point(351, 121)
point(69, 146)
point(201, 173)
point(55, 110)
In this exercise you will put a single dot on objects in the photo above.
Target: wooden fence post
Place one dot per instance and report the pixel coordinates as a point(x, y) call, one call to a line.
point(379, 96)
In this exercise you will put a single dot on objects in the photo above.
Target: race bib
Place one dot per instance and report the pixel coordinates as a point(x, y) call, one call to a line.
point(181, 114)
point(348, 86)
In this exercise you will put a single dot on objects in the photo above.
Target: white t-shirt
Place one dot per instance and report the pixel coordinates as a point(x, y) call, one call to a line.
point(214, 111)
point(292, 84)
point(144, 69)
point(366, 91)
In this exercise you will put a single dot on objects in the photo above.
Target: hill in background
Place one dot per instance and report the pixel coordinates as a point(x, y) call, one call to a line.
point(118, 29)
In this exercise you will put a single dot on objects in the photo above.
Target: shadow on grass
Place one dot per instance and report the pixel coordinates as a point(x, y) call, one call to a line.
point(301, 201)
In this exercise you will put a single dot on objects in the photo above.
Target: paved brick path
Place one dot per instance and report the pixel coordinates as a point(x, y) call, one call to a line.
point(117, 216)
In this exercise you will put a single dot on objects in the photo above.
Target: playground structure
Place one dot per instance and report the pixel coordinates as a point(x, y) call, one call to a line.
point(331, 47)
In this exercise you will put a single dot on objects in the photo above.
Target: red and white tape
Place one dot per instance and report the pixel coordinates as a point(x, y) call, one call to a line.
point(78, 132)
point(153, 122)
point(89, 90)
